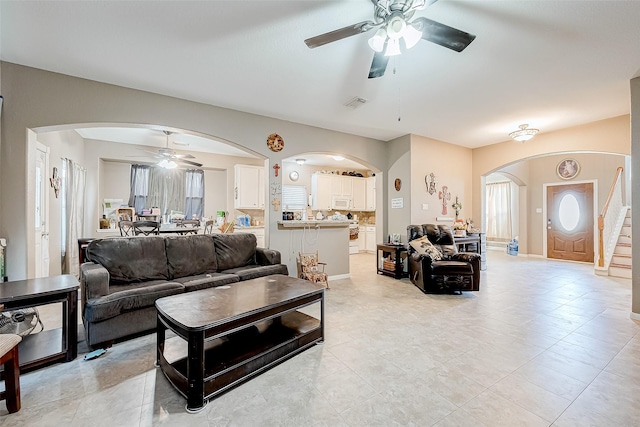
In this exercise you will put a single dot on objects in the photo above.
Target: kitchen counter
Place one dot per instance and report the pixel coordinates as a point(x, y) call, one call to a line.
point(312, 223)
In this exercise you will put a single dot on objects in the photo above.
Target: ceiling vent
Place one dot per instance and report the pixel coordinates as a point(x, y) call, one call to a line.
point(355, 102)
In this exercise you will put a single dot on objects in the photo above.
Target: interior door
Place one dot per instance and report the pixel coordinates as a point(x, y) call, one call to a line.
point(41, 212)
point(570, 222)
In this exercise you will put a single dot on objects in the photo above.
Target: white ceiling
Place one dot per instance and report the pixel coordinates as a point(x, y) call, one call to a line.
point(552, 64)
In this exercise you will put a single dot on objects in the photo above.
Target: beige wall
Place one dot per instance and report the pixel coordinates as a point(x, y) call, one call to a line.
point(399, 167)
point(452, 166)
point(604, 136)
point(41, 100)
point(599, 168)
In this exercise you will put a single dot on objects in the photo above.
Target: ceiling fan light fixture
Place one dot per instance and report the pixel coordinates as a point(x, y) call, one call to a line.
point(301, 161)
point(377, 41)
point(524, 134)
point(338, 158)
point(167, 164)
point(396, 27)
point(393, 47)
point(411, 36)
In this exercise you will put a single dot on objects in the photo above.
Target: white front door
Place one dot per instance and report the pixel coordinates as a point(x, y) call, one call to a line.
point(42, 211)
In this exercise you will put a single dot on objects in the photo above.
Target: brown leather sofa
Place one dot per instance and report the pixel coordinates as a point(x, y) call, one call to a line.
point(454, 272)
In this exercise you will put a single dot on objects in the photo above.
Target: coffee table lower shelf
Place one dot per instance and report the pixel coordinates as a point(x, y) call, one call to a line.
point(234, 358)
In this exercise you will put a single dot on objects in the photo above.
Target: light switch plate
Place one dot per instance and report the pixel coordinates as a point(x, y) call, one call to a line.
point(538, 210)
point(425, 207)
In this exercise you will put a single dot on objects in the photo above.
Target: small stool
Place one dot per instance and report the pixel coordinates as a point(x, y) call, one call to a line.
point(9, 358)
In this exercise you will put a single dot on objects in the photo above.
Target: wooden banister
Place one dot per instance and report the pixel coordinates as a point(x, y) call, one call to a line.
point(603, 214)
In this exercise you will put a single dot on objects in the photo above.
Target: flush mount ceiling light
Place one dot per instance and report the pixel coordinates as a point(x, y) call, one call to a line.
point(524, 134)
point(338, 158)
point(301, 161)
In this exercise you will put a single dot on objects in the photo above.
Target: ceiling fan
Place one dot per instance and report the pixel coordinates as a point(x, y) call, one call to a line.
point(391, 17)
point(169, 157)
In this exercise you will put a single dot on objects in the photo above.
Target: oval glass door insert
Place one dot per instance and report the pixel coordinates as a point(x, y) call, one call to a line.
point(569, 212)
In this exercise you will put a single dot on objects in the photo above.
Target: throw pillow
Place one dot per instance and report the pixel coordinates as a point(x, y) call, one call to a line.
point(425, 247)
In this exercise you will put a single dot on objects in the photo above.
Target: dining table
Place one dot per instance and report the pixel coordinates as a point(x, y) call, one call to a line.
point(173, 229)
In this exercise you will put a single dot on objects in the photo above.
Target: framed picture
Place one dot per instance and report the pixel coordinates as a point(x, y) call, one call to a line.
point(568, 169)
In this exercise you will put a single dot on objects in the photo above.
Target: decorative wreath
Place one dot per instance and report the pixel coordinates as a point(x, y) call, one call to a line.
point(275, 142)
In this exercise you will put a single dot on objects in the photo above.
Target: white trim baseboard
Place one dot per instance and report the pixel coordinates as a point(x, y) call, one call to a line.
point(340, 276)
point(635, 316)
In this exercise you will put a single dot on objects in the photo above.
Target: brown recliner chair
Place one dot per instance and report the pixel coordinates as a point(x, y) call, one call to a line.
point(454, 272)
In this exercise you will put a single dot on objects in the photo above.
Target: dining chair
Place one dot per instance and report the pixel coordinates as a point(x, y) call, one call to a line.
point(126, 228)
point(309, 268)
point(208, 226)
point(193, 224)
point(146, 227)
point(9, 358)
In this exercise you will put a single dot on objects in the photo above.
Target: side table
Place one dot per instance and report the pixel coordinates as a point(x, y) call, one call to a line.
point(50, 346)
point(391, 260)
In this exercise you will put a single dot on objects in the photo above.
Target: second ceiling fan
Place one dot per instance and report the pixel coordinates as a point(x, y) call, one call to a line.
point(392, 18)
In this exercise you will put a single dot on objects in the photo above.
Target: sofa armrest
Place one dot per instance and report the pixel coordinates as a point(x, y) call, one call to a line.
point(268, 256)
point(94, 281)
point(466, 257)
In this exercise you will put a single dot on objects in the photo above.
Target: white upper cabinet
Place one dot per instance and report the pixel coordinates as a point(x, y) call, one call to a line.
point(371, 194)
point(321, 187)
point(328, 189)
point(249, 187)
point(358, 200)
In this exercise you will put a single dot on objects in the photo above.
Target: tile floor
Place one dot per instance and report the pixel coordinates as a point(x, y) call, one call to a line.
point(543, 343)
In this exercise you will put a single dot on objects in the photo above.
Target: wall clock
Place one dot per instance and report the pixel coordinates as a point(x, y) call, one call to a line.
point(293, 175)
point(275, 142)
point(568, 169)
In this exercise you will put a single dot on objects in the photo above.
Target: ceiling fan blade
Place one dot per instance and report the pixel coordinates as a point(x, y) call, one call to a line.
point(189, 162)
point(184, 156)
point(443, 35)
point(339, 34)
point(378, 65)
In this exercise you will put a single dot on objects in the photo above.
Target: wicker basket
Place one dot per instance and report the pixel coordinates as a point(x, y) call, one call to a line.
point(389, 265)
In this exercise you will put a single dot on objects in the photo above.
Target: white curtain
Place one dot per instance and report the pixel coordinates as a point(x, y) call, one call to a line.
point(73, 194)
point(194, 193)
point(498, 213)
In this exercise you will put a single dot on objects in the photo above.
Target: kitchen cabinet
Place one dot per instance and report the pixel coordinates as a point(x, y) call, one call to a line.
point(249, 190)
point(370, 243)
point(321, 185)
point(362, 238)
point(258, 232)
point(341, 185)
point(359, 191)
point(370, 199)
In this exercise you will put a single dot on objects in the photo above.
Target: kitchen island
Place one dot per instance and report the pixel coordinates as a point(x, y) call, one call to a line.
point(329, 237)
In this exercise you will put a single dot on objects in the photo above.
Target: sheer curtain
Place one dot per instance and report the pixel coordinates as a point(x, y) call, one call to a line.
point(499, 211)
point(73, 193)
point(194, 191)
point(139, 182)
point(153, 186)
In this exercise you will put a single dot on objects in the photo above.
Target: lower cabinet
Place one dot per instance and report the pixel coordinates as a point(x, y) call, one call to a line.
point(258, 232)
point(367, 238)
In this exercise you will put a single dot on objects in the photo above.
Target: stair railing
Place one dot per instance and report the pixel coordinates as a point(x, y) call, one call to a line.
point(609, 218)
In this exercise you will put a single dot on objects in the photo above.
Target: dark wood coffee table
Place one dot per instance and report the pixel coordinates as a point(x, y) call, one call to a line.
point(235, 332)
point(49, 346)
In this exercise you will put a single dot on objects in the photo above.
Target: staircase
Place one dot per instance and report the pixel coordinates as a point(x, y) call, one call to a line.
point(620, 265)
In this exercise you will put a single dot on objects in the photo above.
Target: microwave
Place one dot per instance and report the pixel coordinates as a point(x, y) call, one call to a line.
point(340, 202)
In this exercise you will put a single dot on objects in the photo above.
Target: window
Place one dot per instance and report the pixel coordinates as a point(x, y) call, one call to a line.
point(168, 189)
point(294, 197)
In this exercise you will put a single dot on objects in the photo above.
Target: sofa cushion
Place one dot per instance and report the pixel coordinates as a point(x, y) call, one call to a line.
point(235, 250)
point(190, 255)
point(131, 259)
point(423, 246)
point(253, 271)
point(127, 297)
point(209, 280)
